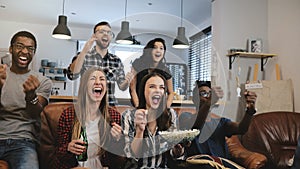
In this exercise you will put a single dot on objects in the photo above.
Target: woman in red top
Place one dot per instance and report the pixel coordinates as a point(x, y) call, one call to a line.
point(101, 122)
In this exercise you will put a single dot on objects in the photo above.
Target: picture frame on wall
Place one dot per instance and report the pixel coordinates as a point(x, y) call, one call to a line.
point(255, 45)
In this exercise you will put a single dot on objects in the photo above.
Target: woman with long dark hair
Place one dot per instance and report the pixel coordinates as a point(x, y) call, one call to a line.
point(152, 60)
point(141, 126)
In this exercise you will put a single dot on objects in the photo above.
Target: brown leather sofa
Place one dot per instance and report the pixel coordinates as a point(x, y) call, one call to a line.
point(272, 134)
point(49, 123)
point(269, 143)
point(3, 164)
point(241, 155)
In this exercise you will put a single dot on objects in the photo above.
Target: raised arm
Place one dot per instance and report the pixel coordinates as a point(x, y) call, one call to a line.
point(126, 83)
point(170, 93)
point(242, 127)
point(133, 92)
point(204, 105)
point(35, 103)
point(76, 66)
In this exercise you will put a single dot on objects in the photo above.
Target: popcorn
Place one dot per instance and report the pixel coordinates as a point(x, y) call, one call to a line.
point(178, 136)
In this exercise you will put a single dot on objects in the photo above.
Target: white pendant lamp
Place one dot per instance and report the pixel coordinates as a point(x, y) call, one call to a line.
point(181, 42)
point(124, 36)
point(61, 31)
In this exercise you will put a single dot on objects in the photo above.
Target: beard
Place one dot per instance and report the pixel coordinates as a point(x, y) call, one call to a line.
point(102, 45)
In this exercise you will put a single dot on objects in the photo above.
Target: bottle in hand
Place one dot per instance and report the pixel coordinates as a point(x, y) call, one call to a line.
point(83, 136)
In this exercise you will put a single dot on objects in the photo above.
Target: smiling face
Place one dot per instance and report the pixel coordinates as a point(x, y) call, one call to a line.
point(158, 52)
point(96, 86)
point(104, 36)
point(204, 93)
point(22, 51)
point(154, 91)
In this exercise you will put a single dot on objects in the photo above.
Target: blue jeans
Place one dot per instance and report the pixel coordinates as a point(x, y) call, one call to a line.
point(20, 154)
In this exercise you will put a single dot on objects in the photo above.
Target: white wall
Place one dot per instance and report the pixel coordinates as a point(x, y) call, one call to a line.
point(62, 51)
point(284, 40)
point(276, 22)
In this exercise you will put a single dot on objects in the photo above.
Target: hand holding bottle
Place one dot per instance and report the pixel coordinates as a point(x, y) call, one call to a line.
point(77, 147)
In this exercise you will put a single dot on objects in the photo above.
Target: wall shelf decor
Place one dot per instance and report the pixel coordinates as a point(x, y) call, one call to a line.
point(263, 56)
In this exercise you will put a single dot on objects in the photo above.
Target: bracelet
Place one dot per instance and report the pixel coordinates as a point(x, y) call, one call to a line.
point(34, 100)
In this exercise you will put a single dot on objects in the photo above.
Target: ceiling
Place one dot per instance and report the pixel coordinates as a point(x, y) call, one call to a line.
point(143, 15)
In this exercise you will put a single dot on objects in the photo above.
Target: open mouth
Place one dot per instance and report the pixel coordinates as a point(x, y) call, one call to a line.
point(104, 39)
point(23, 60)
point(157, 54)
point(156, 99)
point(97, 91)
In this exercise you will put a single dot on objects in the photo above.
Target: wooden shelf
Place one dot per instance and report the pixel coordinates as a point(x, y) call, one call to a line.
point(60, 74)
point(262, 56)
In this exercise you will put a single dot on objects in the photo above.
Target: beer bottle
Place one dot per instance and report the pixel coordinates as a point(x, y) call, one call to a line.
point(83, 137)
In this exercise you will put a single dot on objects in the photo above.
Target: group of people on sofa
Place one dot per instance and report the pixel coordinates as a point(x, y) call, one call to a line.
point(132, 134)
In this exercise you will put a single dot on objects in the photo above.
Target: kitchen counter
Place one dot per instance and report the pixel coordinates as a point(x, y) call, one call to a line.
point(58, 98)
point(122, 101)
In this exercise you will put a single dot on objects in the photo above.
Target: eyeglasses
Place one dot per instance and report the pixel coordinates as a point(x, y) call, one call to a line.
point(204, 93)
point(102, 32)
point(20, 46)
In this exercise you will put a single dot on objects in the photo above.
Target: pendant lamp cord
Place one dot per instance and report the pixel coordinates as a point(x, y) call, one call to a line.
point(63, 7)
point(125, 9)
point(181, 12)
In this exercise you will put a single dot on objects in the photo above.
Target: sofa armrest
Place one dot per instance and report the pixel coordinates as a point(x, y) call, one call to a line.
point(3, 164)
point(246, 158)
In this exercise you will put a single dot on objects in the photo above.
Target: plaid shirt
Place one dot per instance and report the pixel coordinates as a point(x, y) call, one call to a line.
point(154, 148)
point(63, 159)
point(112, 67)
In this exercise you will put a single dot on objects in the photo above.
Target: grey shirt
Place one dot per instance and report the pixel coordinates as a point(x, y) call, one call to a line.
point(15, 122)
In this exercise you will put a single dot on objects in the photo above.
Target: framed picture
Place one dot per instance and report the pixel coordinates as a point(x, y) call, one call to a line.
point(255, 45)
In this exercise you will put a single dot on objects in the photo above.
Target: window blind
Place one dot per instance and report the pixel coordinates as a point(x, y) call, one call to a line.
point(199, 59)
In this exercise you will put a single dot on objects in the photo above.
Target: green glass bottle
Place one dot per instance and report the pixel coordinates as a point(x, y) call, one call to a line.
point(83, 136)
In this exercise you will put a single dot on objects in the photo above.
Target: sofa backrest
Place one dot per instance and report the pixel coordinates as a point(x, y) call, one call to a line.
point(274, 134)
point(49, 122)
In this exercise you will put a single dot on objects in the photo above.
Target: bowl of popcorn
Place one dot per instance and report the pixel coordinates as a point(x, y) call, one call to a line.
point(178, 136)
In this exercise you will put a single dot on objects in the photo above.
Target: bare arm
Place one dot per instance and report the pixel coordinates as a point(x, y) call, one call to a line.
point(170, 93)
point(137, 142)
point(76, 66)
point(2, 77)
point(242, 127)
point(34, 103)
point(204, 106)
point(123, 86)
point(133, 93)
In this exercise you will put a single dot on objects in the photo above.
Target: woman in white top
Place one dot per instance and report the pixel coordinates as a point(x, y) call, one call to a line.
point(91, 112)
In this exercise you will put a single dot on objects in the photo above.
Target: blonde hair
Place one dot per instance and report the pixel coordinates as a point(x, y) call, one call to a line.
point(82, 108)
